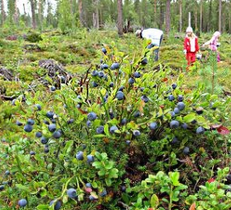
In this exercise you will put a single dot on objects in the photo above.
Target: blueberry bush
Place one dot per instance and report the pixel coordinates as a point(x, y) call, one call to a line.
point(121, 135)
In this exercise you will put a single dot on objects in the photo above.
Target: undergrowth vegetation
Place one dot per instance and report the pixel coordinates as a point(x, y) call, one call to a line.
point(89, 121)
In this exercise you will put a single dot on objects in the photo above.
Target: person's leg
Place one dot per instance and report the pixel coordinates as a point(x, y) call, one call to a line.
point(150, 46)
point(193, 57)
point(218, 57)
point(156, 51)
point(161, 38)
point(156, 54)
point(188, 57)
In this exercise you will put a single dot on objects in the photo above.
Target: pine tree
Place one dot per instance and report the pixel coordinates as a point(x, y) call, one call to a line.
point(64, 16)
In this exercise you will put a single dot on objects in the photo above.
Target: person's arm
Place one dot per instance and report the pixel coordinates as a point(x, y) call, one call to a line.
point(197, 45)
point(207, 43)
point(185, 46)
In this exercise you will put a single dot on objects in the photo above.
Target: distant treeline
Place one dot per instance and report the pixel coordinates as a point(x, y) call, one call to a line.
point(124, 15)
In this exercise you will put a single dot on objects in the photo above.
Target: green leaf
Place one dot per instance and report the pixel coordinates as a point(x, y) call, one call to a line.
point(160, 113)
point(42, 207)
point(98, 155)
point(113, 173)
point(227, 206)
point(43, 192)
point(139, 200)
point(181, 187)
point(189, 118)
point(108, 182)
point(101, 173)
point(125, 197)
point(175, 195)
point(68, 146)
point(154, 201)
point(132, 125)
point(22, 187)
point(97, 164)
point(174, 176)
point(81, 196)
point(109, 165)
point(94, 184)
point(150, 179)
point(104, 156)
point(165, 189)
point(229, 195)
point(159, 174)
point(99, 136)
point(106, 130)
point(103, 91)
point(65, 199)
point(165, 200)
point(220, 193)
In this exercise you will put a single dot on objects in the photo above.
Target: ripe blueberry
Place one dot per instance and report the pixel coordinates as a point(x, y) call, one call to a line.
point(113, 129)
point(174, 124)
point(200, 130)
point(180, 105)
point(90, 158)
point(153, 125)
point(91, 116)
point(100, 129)
point(57, 205)
point(22, 202)
point(71, 193)
point(28, 128)
point(79, 155)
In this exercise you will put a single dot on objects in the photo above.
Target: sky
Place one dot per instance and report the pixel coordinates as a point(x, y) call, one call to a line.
point(27, 5)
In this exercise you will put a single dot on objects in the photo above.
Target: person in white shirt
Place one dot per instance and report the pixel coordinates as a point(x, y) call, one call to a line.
point(155, 36)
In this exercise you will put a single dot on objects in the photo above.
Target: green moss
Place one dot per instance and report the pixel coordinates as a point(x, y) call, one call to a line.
point(77, 69)
point(27, 73)
point(31, 57)
point(33, 37)
point(9, 88)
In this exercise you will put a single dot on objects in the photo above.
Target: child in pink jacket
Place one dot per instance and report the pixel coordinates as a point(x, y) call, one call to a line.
point(213, 43)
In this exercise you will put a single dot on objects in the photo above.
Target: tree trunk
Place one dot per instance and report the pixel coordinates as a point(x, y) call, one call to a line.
point(40, 13)
point(180, 11)
point(220, 10)
point(224, 17)
point(168, 16)
point(201, 15)
point(195, 17)
point(120, 17)
point(81, 13)
point(72, 7)
point(95, 14)
point(32, 3)
point(155, 12)
point(229, 18)
point(49, 15)
point(229, 22)
point(101, 21)
point(24, 9)
point(3, 14)
point(161, 22)
point(16, 13)
point(210, 15)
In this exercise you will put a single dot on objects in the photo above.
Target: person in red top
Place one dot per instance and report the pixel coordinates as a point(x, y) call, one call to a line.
point(191, 46)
